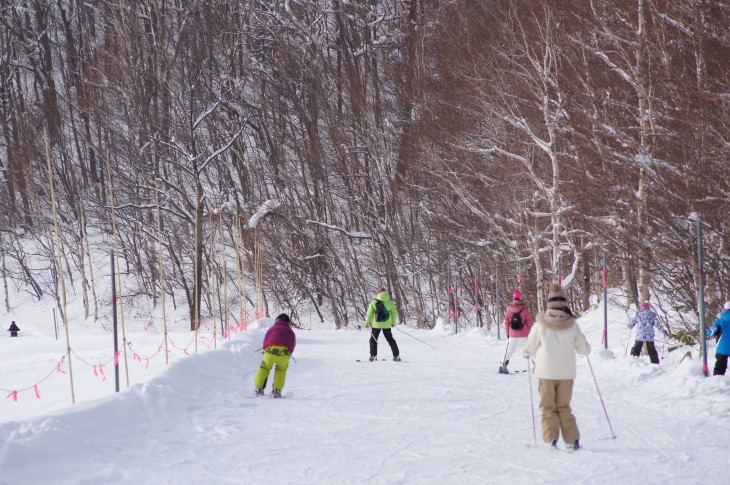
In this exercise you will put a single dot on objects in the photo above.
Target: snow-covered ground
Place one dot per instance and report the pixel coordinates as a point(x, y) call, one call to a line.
point(445, 416)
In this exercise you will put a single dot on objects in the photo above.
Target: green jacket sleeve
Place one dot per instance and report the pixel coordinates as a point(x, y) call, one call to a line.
point(393, 314)
point(369, 314)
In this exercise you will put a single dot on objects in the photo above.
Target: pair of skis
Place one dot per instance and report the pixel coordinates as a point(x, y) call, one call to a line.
point(504, 370)
point(271, 396)
point(379, 360)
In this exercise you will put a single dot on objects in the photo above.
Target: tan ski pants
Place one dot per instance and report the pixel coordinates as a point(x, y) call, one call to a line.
point(557, 418)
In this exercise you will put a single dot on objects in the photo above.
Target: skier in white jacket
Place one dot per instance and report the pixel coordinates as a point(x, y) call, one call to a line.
point(553, 342)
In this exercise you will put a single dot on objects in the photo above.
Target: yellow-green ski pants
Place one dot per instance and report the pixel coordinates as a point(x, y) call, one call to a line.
point(273, 355)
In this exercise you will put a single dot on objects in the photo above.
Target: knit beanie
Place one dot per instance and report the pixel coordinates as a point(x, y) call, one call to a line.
point(556, 297)
point(645, 305)
point(518, 296)
point(382, 289)
point(283, 317)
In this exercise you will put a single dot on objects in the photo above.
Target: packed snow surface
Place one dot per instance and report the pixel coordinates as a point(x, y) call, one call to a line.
point(444, 416)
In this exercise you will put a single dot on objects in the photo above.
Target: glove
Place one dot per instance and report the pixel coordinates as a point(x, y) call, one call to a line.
point(525, 354)
point(710, 333)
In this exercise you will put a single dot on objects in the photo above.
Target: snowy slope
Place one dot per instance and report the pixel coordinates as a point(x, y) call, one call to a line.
point(444, 416)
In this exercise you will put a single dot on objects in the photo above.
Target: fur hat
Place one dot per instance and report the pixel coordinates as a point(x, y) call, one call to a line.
point(518, 296)
point(645, 305)
point(556, 297)
point(727, 305)
point(283, 317)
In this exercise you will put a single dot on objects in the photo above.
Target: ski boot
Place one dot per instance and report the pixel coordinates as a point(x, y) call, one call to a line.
point(573, 446)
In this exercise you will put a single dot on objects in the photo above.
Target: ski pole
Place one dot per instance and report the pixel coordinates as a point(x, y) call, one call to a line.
point(532, 405)
point(376, 340)
point(505, 355)
point(613, 435)
point(505, 349)
point(258, 350)
point(415, 338)
point(664, 340)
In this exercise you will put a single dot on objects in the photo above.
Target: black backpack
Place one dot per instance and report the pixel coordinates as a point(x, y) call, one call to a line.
point(515, 323)
point(381, 313)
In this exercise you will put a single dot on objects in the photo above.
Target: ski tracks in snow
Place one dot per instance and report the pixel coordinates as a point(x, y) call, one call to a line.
point(446, 418)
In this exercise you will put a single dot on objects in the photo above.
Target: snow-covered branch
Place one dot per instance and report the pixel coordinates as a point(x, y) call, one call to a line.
point(355, 234)
point(266, 208)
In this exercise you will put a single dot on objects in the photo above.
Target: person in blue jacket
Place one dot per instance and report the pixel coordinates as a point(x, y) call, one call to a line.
point(721, 327)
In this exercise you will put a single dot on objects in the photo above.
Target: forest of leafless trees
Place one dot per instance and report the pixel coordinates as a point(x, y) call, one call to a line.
point(442, 148)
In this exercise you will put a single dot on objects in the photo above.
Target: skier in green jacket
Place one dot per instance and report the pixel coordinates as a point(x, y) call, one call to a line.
point(382, 314)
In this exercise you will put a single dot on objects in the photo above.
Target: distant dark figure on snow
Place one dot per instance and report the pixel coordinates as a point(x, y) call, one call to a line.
point(279, 343)
point(517, 324)
point(382, 314)
point(13, 329)
point(645, 321)
point(553, 342)
point(721, 327)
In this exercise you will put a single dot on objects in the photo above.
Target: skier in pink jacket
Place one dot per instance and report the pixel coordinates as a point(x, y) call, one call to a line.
point(517, 324)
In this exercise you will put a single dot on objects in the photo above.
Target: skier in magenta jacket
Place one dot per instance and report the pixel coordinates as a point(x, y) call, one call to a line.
point(279, 344)
point(516, 329)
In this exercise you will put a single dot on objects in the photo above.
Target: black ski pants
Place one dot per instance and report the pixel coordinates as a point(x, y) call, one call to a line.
point(388, 336)
point(650, 349)
point(720, 365)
